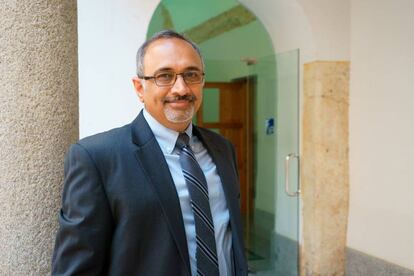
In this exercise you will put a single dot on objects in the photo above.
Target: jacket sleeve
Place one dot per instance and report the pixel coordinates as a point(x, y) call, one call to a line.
point(85, 220)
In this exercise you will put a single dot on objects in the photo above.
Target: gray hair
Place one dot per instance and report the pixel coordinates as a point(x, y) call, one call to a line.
point(166, 34)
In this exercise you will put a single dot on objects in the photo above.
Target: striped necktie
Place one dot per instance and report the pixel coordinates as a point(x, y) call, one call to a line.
point(206, 253)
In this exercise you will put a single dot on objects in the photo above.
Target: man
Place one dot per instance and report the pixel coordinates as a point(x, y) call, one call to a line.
point(158, 196)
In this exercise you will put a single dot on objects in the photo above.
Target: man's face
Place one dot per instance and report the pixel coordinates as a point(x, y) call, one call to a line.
point(173, 106)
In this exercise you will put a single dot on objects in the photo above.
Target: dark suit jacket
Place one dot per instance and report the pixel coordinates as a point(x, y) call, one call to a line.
point(120, 210)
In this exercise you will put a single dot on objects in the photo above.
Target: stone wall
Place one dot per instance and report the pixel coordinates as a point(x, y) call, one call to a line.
point(38, 120)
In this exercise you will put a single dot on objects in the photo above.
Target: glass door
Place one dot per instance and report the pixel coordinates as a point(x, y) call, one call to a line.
point(287, 165)
point(272, 236)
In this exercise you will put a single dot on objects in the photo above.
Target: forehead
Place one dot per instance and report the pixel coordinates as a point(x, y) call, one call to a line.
point(171, 53)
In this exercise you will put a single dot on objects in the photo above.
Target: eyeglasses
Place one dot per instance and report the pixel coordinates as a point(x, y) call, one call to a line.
point(168, 78)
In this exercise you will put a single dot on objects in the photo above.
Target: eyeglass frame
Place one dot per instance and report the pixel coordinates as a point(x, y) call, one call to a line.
point(176, 76)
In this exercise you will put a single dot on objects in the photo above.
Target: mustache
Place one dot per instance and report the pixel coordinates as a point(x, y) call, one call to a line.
point(187, 97)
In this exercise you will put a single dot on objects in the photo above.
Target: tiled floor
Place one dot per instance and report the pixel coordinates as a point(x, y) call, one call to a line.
point(262, 248)
point(258, 242)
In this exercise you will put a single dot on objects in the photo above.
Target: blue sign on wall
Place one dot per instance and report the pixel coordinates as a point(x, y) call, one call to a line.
point(270, 126)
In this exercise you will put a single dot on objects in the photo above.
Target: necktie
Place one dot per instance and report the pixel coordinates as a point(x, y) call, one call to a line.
point(206, 253)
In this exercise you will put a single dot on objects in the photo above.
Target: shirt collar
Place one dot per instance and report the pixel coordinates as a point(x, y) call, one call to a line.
point(166, 137)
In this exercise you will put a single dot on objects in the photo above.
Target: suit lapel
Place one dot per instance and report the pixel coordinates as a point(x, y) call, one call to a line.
point(229, 181)
point(151, 159)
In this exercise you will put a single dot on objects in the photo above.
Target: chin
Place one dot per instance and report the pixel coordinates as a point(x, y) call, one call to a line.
point(179, 117)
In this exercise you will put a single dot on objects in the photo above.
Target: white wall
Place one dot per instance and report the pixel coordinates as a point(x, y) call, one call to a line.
point(381, 219)
point(287, 24)
point(329, 21)
point(110, 33)
point(320, 28)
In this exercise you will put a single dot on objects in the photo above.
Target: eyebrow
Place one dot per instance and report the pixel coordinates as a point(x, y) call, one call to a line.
point(195, 68)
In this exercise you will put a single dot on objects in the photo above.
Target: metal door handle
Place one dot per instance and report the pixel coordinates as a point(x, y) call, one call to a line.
point(287, 161)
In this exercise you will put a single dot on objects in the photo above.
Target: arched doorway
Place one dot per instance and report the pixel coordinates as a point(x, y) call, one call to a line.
point(251, 97)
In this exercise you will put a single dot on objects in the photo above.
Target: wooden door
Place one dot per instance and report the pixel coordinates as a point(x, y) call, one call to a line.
point(233, 103)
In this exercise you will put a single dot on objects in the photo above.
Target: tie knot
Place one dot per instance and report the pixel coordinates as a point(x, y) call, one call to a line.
point(182, 140)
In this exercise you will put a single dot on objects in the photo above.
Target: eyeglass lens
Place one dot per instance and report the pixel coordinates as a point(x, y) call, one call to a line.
point(169, 78)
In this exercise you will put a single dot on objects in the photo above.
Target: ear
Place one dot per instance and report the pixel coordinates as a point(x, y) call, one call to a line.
point(139, 87)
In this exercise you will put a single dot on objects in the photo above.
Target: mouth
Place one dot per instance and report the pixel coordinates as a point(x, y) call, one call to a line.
point(180, 101)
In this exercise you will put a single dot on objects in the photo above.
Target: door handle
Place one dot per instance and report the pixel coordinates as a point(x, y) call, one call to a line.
point(287, 161)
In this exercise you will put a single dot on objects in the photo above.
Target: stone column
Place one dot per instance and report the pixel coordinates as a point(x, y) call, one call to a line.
point(38, 120)
point(324, 168)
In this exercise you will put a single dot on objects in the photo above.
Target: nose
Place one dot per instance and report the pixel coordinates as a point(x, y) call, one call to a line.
point(180, 86)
